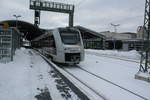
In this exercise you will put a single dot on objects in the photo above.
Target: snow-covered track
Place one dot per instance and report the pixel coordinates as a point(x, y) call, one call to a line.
point(106, 80)
point(89, 86)
point(97, 93)
point(75, 89)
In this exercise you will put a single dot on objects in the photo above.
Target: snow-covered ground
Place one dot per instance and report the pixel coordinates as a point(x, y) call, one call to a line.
point(26, 77)
point(130, 55)
point(117, 71)
point(28, 73)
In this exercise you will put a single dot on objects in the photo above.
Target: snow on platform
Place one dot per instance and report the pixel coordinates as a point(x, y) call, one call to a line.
point(25, 77)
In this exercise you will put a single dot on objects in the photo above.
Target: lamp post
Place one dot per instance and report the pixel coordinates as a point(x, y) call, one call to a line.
point(115, 27)
point(115, 31)
point(17, 16)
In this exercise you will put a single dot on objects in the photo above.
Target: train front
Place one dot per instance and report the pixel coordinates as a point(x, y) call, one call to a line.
point(72, 45)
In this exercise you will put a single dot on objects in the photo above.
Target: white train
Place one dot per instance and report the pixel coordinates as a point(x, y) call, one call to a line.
point(63, 45)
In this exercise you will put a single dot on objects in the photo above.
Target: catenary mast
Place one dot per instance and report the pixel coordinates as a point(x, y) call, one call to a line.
point(145, 58)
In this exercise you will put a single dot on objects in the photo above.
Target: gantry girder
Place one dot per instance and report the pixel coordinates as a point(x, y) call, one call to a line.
point(39, 5)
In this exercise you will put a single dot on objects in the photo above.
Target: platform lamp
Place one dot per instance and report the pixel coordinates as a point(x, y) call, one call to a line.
point(17, 16)
point(115, 31)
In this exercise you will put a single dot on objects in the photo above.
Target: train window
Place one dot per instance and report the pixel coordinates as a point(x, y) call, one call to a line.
point(70, 36)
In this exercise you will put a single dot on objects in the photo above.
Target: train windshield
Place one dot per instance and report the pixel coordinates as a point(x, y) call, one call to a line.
point(70, 36)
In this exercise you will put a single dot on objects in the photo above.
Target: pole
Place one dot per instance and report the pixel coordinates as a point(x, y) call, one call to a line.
point(71, 20)
point(17, 16)
point(145, 55)
point(115, 27)
point(71, 17)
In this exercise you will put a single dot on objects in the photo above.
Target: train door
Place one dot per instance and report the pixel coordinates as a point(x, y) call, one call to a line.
point(52, 45)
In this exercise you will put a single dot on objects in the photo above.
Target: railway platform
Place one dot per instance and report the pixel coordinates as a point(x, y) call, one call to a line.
point(30, 77)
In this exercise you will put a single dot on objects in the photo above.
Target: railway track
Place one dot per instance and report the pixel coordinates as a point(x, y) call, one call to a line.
point(101, 78)
point(89, 87)
point(75, 89)
point(108, 81)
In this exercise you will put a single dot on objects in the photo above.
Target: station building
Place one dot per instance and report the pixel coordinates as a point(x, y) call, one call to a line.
point(124, 41)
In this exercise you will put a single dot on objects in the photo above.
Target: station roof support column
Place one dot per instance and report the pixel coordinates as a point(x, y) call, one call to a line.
point(71, 15)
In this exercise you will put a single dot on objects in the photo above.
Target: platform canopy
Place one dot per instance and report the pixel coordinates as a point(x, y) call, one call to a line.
point(89, 34)
point(28, 29)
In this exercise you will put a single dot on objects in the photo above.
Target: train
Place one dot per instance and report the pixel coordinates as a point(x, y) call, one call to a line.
point(62, 45)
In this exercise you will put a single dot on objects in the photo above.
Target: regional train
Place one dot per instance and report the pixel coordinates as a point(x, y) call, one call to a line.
point(63, 45)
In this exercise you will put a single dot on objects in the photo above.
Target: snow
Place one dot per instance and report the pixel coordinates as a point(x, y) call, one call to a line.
point(83, 88)
point(117, 71)
point(13, 78)
point(107, 90)
point(132, 55)
point(21, 78)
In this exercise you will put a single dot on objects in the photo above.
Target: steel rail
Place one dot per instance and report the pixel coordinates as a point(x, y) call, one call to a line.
point(106, 80)
point(75, 89)
point(97, 93)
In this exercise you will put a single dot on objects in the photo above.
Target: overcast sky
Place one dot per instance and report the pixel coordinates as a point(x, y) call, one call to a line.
point(94, 14)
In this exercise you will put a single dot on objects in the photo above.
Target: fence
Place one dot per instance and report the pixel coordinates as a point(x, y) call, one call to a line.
point(10, 40)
